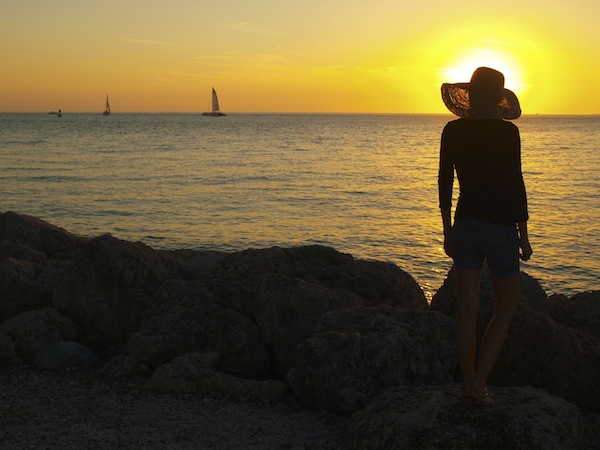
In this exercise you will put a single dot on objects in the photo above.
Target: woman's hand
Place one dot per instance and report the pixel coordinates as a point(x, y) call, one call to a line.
point(526, 249)
point(447, 224)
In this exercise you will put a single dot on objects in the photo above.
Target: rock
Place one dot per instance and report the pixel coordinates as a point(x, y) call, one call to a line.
point(7, 348)
point(357, 354)
point(581, 311)
point(340, 330)
point(194, 373)
point(241, 351)
point(20, 252)
point(33, 329)
point(18, 287)
point(433, 417)
point(287, 311)
point(124, 367)
point(183, 319)
point(61, 355)
point(383, 283)
point(39, 235)
point(543, 353)
point(531, 295)
point(26, 285)
point(194, 262)
point(109, 285)
point(235, 281)
point(178, 321)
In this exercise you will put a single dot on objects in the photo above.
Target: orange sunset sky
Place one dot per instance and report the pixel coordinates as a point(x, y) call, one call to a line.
point(377, 56)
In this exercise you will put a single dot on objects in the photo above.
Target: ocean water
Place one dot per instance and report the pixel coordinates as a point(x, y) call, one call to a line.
point(363, 184)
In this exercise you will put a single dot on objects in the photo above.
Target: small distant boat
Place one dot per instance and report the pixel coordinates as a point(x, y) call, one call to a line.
point(107, 107)
point(215, 112)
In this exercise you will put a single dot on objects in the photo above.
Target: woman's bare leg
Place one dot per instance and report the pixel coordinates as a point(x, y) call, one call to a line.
point(505, 304)
point(466, 321)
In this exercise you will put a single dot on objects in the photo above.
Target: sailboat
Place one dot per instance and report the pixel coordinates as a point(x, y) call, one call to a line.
point(215, 112)
point(107, 108)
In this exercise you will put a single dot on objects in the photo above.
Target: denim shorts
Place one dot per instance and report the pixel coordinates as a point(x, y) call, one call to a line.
point(472, 241)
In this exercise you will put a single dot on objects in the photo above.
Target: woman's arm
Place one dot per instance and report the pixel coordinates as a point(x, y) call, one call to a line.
point(447, 223)
point(526, 249)
point(445, 184)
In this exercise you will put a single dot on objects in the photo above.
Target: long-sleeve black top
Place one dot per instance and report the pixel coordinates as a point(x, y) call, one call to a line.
point(486, 154)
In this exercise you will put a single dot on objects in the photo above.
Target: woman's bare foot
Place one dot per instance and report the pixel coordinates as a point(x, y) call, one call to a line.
point(479, 396)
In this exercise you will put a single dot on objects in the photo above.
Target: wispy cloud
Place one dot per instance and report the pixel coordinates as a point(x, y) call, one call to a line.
point(251, 28)
point(155, 43)
point(514, 42)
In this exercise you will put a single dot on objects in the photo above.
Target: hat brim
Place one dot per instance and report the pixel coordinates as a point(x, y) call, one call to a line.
point(457, 100)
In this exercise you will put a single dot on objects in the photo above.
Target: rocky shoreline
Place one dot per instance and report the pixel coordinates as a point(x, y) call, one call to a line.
point(107, 343)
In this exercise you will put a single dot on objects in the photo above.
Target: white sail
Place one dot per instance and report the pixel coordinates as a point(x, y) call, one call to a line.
point(215, 101)
point(215, 111)
point(107, 107)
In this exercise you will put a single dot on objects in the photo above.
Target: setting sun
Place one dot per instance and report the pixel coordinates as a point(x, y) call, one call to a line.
point(470, 59)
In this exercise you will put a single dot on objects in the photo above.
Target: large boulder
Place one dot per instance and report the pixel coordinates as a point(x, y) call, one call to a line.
point(543, 353)
point(433, 417)
point(195, 373)
point(183, 318)
point(531, 294)
point(27, 285)
point(39, 235)
point(236, 280)
point(193, 263)
point(109, 285)
point(178, 321)
point(32, 262)
point(357, 354)
point(7, 348)
point(63, 355)
point(20, 252)
point(33, 329)
point(581, 311)
point(241, 350)
point(288, 310)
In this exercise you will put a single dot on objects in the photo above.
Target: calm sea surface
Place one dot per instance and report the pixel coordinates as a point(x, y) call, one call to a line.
point(363, 184)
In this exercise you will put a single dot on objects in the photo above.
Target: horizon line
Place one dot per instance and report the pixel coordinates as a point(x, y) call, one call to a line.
point(288, 112)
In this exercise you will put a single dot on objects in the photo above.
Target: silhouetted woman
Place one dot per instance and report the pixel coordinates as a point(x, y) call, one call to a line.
point(490, 221)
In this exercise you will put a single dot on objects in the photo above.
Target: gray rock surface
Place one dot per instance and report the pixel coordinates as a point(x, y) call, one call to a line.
point(109, 285)
point(236, 280)
point(432, 418)
point(283, 326)
point(581, 311)
point(62, 355)
point(357, 354)
point(39, 236)
point(31, 330)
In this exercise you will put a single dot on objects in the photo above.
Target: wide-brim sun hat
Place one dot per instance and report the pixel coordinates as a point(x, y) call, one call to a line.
point(483, 97)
